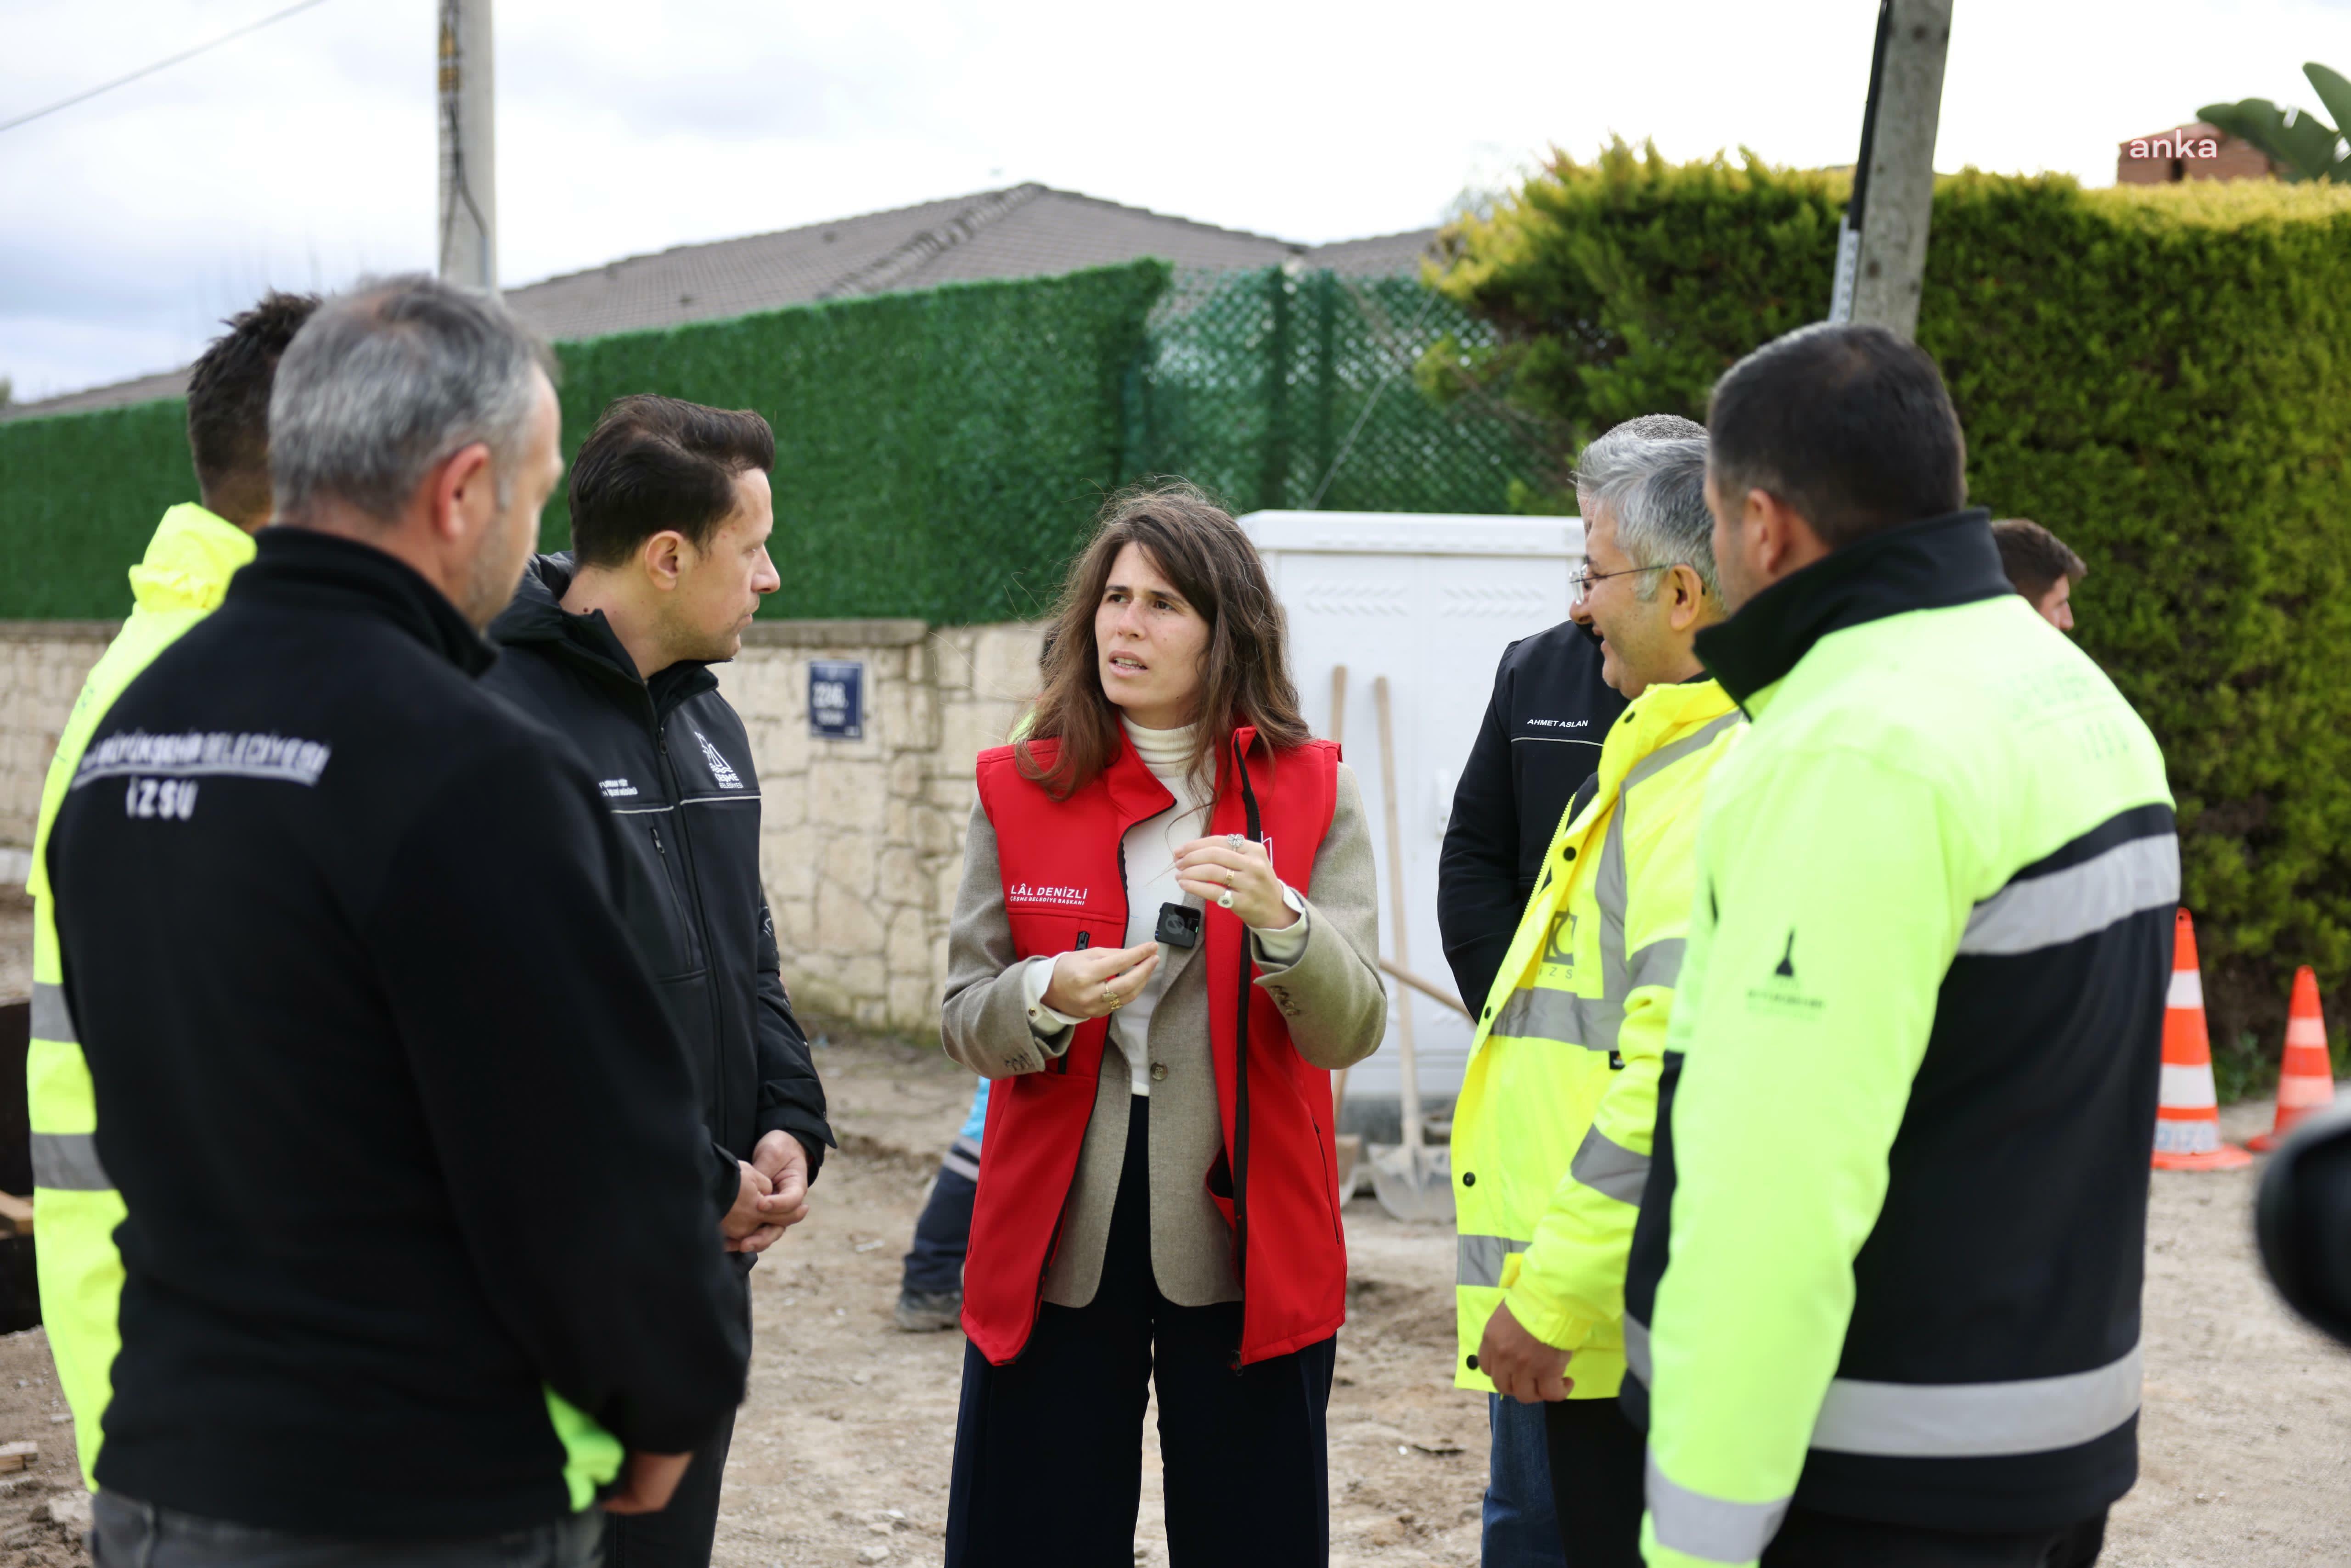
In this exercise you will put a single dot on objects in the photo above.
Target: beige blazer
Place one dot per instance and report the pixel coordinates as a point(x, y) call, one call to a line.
point(1333, 998)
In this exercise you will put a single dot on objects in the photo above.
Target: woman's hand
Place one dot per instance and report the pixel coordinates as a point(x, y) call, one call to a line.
point(1093, 983)
point(1234, 873)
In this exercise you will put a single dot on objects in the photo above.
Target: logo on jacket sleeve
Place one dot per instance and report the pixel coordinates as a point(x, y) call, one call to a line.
point(1780, 995)
point(720, 769)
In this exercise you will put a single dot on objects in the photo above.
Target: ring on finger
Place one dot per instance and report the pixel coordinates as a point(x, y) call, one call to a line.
point(1225, 899)
point(1229, 875)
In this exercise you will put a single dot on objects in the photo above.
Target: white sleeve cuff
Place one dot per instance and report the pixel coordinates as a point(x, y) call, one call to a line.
point(1043, 1021)
point(1288, 945)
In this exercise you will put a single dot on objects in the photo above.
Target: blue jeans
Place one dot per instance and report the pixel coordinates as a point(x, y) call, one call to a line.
point(128, 1533)
point(1522, 1525)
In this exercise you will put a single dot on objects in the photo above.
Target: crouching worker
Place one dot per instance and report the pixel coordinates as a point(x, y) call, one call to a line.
point(1164, 939)
point(1551, 1135)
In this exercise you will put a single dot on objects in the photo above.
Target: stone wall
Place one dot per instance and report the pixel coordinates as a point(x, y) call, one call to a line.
point(42, 666)
point(861, 841)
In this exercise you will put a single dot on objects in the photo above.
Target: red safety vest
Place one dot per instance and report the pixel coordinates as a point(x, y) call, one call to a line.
point(1276, 1181)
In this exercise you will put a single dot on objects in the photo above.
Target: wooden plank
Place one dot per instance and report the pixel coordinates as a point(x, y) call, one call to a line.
point(18, 1456)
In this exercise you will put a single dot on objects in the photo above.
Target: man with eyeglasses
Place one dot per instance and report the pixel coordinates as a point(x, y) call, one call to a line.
point(1539, 742)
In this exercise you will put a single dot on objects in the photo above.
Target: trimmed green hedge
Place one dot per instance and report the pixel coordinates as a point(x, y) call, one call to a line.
point(2162, 374)
point(941, 453)
point(938, 453)
point(79, 497)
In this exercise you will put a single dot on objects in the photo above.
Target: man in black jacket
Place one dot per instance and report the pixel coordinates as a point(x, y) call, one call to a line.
point(1539, 746)
point(670, 516)
point(419, 1235)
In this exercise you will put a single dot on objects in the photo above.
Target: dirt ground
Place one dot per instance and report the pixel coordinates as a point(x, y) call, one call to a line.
point(842, 1451)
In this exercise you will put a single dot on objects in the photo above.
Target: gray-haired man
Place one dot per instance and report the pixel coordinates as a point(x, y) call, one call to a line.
point(1556, 1109)
point(418, 1242)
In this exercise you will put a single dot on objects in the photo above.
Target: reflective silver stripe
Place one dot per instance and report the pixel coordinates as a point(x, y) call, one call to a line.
point(1658, 964)
point(1609, 1167)
point(1665, 756)
point(962, 1158)
point(52, 1019)
point(1479, 1258)
point(2069, 905)
point(68, 1162)
point(1636, 1348)
point(1538, 1012)
point(1608, 892)
point(1713, 1528)
point(1966, 1420)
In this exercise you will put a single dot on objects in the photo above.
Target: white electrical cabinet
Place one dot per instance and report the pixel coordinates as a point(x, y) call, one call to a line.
point(1429, 602)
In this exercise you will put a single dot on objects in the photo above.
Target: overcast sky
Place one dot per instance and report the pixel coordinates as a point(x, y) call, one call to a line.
point(303, 155)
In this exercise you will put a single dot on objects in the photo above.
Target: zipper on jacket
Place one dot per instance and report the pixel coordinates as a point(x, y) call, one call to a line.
point(701, 923)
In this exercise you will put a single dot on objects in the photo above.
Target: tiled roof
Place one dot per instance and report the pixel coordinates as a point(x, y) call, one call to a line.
point(1379, 256)
point(1025, 231)
point(140, 389)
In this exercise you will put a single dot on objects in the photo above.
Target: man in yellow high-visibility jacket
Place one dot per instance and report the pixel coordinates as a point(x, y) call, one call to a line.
point(1551, 1133)
point(195, 551)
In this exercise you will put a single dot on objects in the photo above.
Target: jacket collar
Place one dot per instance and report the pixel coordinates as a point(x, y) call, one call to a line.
point(1657, 721)
point(189, 561)
point(1930, 564)
point(536, 618)
point(304, 566)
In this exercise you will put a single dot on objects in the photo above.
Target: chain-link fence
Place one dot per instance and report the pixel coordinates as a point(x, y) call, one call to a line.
point(1277, 387)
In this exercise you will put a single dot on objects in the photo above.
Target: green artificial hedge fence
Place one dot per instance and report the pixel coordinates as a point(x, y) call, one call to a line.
point(2162, 374)
point(939, 454)
point(79, 497)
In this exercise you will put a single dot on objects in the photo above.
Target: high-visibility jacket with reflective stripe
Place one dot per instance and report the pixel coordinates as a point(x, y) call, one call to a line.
point(1550, 1133)
point(181, 581)
point(1890, 1252)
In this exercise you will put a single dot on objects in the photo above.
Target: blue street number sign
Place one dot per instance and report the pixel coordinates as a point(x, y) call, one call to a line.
point(837, 699)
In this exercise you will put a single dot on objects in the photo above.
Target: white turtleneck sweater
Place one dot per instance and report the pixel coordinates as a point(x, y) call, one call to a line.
point(1151, 845)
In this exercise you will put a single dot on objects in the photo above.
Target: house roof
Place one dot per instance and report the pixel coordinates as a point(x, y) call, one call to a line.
point(1024, 231)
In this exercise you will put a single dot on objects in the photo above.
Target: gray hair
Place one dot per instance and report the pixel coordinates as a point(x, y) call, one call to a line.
point(390, 378)
point(1651, 472)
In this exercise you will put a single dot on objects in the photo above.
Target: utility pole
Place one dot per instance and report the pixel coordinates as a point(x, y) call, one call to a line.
point(469, 192)
point(1882, 244)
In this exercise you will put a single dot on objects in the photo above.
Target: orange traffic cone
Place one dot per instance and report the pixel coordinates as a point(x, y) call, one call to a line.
point(2306, 1083)
point(2188, 1115)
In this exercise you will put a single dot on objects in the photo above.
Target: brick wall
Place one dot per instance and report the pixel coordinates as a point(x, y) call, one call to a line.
point(861, 842)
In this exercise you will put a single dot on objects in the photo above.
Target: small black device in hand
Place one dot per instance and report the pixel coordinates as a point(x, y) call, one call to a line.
point(1179, 925)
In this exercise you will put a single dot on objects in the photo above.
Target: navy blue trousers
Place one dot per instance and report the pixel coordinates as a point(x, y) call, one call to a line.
point(1048, 1449)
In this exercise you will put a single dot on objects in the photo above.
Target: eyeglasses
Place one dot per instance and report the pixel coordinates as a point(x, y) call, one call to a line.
point(1580, 581)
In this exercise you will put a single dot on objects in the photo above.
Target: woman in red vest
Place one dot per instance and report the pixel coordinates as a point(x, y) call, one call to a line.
point(1165, 941)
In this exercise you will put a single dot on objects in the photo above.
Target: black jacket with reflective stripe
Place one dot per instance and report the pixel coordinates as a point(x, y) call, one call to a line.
point(673, 762)
point(1539, 743)
point(1997, 1296)
point(405, 1136)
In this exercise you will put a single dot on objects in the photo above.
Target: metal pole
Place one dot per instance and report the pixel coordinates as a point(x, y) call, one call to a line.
point(1882, 245)
point(469, 195)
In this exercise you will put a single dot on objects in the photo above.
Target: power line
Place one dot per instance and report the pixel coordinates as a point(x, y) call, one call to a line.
point(159, 65)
